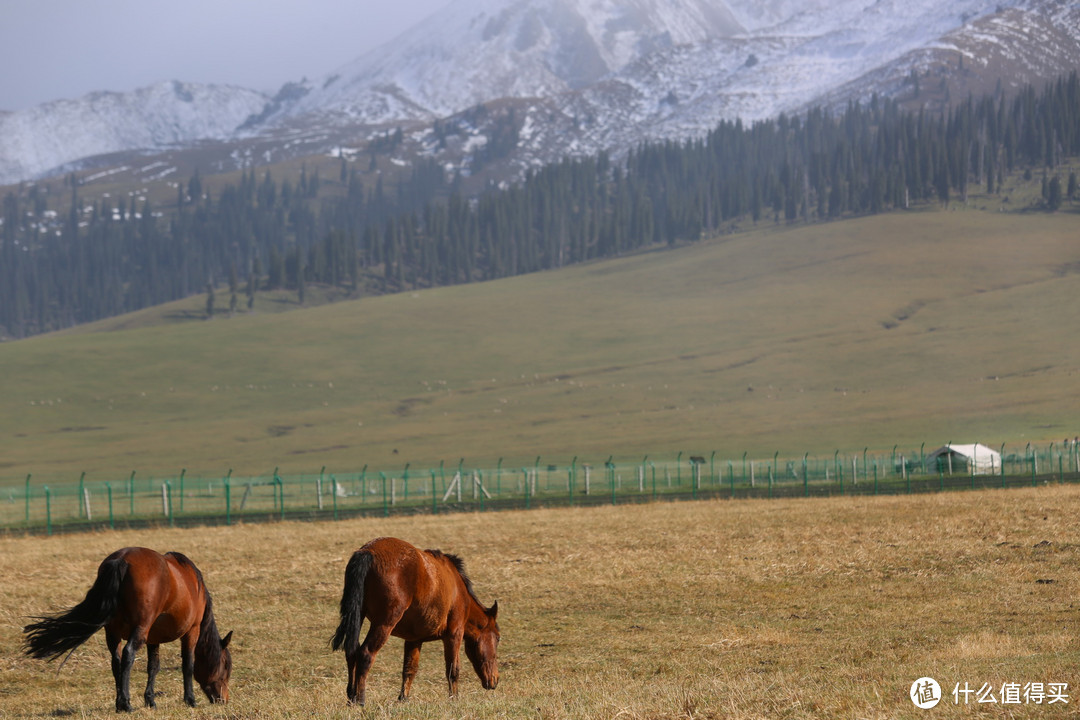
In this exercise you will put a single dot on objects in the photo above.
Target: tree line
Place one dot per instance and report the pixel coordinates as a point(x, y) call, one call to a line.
point(63, 267)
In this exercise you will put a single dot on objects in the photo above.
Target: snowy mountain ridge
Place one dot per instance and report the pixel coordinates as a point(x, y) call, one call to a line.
point(588, 75)
point(48, 136)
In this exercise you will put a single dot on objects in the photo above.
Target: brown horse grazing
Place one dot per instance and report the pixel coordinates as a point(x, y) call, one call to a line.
point(147, 599)
point(417, 595)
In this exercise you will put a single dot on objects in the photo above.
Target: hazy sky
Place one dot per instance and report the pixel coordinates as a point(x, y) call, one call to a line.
point(52, 49)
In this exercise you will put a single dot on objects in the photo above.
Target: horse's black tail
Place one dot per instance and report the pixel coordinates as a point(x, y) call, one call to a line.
point(347, 636)
point(51, 637)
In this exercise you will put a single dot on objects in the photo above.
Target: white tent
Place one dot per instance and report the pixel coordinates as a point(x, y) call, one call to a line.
point(965, 458)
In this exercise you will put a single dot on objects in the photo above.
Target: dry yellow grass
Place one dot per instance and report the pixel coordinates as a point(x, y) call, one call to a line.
point(748, 609)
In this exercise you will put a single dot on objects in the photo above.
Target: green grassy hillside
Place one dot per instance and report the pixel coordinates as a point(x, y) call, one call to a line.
point(925, 326)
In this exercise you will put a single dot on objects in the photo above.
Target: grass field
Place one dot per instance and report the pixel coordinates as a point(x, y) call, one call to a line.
point(824, 608)
point(927, 326)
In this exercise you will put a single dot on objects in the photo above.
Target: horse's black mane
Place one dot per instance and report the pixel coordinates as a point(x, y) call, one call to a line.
point(209, 644)
point(459, 564)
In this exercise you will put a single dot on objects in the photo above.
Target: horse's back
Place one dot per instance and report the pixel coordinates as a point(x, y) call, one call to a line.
point(409, 583)
point(399, 562)
point(160, 594)
point(399, 567)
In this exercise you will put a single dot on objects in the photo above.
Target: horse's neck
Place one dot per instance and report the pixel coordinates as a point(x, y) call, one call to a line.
point(475, 613)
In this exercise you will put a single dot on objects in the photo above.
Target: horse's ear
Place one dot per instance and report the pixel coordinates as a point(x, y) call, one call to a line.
point(225, 640)
point(493, 611)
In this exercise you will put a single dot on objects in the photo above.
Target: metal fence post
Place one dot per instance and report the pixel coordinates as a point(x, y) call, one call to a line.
point(48, 511)
point(333, 491)
point(279, 487)
point(385, 498)
point(82, 486)
point(478, 477)
point(183, 472)
point(168, 497)
point(228, 497)
point(839, 470)
point(572, 478)
point(108, 489)
point(28, 500)
point(611, 477)
point(434, 498)
point(805, 475)
point(1002, 455)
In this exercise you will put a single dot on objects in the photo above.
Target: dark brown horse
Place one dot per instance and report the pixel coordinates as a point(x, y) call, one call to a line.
point(147, 599)
point(419, 596)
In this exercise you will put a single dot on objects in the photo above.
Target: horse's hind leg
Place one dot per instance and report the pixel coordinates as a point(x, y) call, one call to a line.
point(411, 665)
point(126, 661)
point(112, 641)
point(360, 665)
point(153, 664)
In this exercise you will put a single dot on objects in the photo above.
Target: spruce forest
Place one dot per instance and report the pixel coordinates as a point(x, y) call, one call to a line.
point(63, 263)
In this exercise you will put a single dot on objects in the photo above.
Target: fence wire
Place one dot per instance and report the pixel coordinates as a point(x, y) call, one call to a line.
point(65, 505)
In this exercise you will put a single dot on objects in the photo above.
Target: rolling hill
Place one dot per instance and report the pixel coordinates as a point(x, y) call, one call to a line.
point(928, 326)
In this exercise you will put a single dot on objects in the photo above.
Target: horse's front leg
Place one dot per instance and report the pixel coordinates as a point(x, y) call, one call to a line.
point(187, 665)
point(452, 654)
point(153, 664)
point(408, 671)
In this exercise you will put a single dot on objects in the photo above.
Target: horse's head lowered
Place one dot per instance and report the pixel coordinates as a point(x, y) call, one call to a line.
point(482, 643)
point(212, 669)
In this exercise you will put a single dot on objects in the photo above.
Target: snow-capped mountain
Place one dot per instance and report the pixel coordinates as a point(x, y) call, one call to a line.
point(479, 50)
point(48, 136)
point(582, 76)
point(474, 51)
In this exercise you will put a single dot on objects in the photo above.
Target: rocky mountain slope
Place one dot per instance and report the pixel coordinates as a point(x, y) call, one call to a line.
point(579, 75)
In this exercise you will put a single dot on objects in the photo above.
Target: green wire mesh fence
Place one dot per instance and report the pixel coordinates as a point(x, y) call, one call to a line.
point(135, 500)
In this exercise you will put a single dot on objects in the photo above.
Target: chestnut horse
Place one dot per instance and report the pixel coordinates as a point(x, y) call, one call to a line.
point(147, 599)
point(419, 596)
